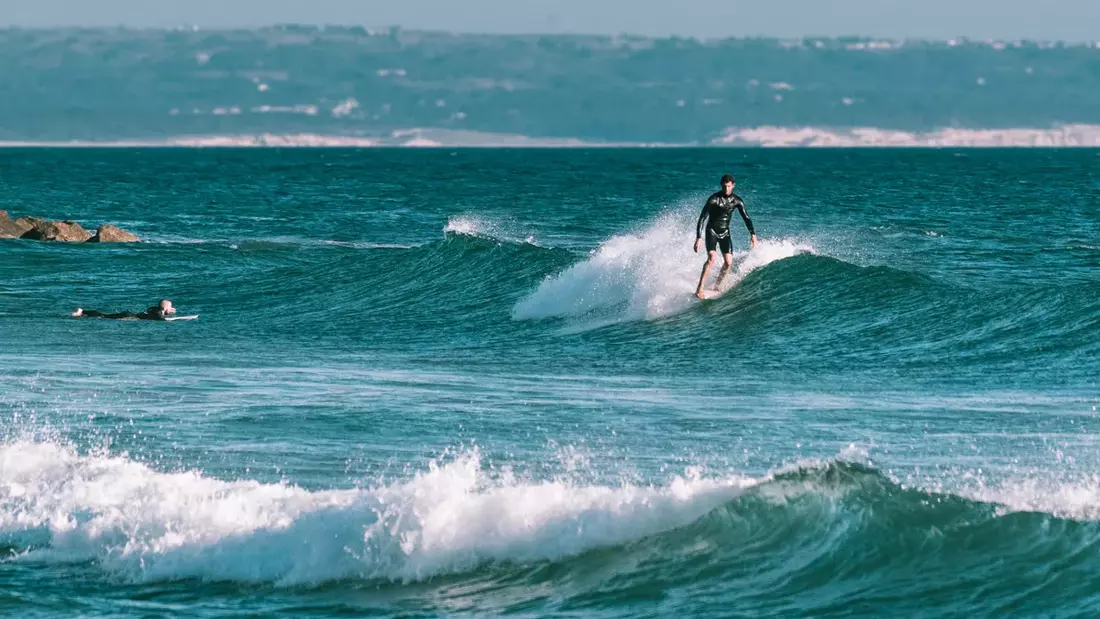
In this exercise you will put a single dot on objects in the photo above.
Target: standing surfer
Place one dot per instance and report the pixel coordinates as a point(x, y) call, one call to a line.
point(716, 218)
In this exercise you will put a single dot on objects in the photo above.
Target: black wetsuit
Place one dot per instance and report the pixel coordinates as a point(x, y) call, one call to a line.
point(152, 313)
point(716, 215)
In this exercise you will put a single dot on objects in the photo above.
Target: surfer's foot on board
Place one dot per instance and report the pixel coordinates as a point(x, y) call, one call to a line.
point(699, 293)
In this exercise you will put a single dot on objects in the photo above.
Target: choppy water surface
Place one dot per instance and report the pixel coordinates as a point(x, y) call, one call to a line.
point(473, 382)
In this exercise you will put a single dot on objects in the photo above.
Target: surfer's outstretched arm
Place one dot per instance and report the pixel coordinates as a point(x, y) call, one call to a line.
point(82, 313)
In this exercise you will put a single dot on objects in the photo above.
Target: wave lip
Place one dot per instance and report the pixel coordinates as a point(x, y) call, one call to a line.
point(826, 524)
point(143, 525)
point(489, 229)
point(642, 276)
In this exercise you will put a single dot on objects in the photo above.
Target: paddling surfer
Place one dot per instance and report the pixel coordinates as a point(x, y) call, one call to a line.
point(161, 311)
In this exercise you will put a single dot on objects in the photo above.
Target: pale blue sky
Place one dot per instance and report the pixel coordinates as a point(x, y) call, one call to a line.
point(1009, 19)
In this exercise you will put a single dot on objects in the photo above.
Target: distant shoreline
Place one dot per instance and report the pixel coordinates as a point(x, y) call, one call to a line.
point(808, 40)
point(1067, 136)
point(304, 86)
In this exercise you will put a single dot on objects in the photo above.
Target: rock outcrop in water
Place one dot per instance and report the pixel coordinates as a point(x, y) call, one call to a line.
point(112, 234)
point(69, 231)
point(36, 229)
point(13, 228)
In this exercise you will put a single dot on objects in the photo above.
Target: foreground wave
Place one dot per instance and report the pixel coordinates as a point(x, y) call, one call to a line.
point(840, 528)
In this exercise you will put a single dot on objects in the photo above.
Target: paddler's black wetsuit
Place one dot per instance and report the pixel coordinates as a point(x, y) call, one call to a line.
point(152, 313)
point(716, 215)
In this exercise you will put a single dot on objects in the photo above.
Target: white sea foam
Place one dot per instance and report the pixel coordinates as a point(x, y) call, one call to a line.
point(142, 525)
point(489, 228)
point(1062, 136)
point(1076, 500)
point(644, 275)
point(469, 226)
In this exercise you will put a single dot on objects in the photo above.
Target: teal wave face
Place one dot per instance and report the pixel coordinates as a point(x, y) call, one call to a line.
point(813, 538)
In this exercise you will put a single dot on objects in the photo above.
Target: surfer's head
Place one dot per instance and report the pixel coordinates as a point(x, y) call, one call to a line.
point(78, 313)
point(166, 305)
point(728, 182)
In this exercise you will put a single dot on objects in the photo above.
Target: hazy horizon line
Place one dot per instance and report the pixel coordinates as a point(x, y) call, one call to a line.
point(389, 29)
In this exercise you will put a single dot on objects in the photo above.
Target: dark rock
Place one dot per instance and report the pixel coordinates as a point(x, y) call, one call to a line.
point(112, 234)
point(68, 231)
point(10, 229)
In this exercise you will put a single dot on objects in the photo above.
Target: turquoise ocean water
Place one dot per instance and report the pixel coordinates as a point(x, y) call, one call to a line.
point(475, 383)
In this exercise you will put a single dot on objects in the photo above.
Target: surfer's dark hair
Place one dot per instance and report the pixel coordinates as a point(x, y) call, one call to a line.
point(728, 178)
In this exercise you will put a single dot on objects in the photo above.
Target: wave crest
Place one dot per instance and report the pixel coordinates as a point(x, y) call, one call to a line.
point(817, 522)
point(642, 276)
point(59, 506)
point(491, 229)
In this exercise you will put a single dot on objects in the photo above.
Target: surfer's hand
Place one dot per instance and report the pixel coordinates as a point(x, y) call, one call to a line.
point(752, 242)
point(698, 242)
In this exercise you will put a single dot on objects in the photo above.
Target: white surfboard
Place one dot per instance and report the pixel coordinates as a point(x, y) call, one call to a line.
point(710, 294)
point(182, 317)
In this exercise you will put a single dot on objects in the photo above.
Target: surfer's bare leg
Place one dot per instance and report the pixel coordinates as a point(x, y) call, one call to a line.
point(711, 257)
point(726, 266)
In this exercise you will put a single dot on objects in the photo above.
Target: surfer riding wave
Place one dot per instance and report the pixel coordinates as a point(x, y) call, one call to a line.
point(715, 218)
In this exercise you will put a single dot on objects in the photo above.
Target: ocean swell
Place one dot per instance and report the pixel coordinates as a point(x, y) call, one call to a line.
point(642, 276)
point(838, 528)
